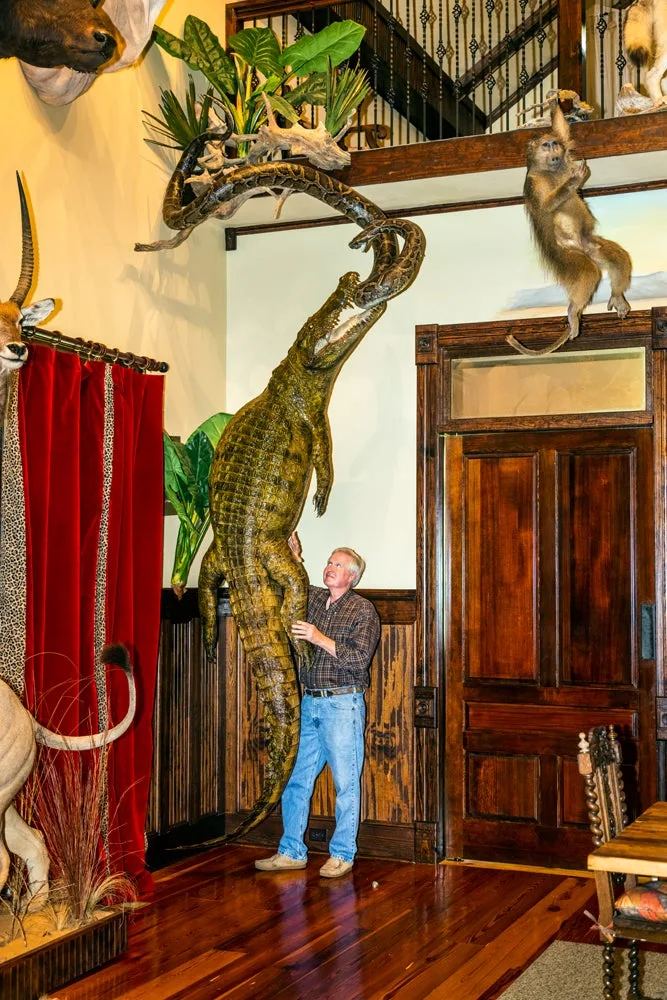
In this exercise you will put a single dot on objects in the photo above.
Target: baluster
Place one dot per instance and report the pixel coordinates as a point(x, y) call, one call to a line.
point(621, 61)
point(585, 766)
point(508, 47)
point(523, 75)
point(608, 970)
point(490, 80)
point(391, 93)
point(440, 52)
point(424, 18)
point(633, 971)
point(375, 65)
point(473, 48)
point(601, 27)
point(541, 38)
point(457, 11)
point(408, 69)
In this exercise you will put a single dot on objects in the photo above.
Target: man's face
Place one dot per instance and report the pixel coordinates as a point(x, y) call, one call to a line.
point(337, 573)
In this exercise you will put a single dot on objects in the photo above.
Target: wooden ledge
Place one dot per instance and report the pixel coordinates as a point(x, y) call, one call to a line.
point(501, 151)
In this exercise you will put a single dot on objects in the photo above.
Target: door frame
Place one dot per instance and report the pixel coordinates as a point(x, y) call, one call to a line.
point(436, 347)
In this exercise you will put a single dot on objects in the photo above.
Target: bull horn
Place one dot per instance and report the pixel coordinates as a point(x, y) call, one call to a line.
point(27, 251)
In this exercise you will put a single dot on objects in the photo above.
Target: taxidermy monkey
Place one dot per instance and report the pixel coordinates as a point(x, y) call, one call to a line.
point(564, 228)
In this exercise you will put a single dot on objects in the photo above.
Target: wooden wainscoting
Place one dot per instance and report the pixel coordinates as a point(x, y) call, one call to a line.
point(210, 738)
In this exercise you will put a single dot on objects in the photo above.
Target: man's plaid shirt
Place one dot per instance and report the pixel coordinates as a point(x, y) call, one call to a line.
point(354, 625)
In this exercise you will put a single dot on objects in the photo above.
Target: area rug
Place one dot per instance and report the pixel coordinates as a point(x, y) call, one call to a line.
point(574, 971)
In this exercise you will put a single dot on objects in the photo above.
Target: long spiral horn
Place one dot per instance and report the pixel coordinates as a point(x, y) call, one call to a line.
point(27, 251)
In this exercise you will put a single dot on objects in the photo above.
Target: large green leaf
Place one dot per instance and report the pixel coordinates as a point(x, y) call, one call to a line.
point(200, 451)
point(213, 427)
point(188, 543)
point(210, 55)
point(283, 108)
point(200, 446)
point(178, 477)
point(332, 45)
point(312, 90)
point(259, 47)
point(173, 45)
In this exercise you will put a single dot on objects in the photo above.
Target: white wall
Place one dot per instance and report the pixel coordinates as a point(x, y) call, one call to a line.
point(475, 261)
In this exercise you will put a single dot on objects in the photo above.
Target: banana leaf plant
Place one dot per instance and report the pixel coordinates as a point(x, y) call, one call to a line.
point(256, 52)
point(187, 467)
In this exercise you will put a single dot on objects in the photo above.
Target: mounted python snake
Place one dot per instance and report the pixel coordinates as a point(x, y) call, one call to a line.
point(265, 459)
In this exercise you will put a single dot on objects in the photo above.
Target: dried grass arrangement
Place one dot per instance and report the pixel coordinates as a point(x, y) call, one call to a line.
point(69, 810)
point(66, 799)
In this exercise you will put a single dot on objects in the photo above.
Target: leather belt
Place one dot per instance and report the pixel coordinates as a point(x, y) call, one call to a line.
point(330, 692)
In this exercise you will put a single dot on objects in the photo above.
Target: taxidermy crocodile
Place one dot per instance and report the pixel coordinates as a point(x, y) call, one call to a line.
point(265, 458)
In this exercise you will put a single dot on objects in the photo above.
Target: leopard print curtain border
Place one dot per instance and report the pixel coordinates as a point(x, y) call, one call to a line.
point(13, 588)
point(100, 620)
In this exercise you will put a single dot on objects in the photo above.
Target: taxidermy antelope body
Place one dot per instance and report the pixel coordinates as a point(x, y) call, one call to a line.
point(74, 33)
point(19, 735)
point(13, 314)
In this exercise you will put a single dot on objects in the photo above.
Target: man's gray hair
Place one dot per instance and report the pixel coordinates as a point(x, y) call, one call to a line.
point(356, 564)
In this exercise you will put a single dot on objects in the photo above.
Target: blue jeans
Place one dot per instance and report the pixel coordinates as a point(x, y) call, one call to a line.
point(332, 732)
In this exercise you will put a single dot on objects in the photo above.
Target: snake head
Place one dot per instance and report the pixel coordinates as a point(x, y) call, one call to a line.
point(393, 271)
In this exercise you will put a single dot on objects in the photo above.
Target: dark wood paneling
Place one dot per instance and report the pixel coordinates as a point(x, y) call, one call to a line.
point(210, 736)
point(596, 579)
point(549, 534)
point(388, 778)
point(500, 620)
point(572, 807)
point(503, 787)
point(537, 719)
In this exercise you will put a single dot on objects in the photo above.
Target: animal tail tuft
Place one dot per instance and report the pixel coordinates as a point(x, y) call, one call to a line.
point(116, 653)
point(638, 32)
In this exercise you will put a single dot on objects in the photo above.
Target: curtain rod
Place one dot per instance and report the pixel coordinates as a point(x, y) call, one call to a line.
point(92, 351)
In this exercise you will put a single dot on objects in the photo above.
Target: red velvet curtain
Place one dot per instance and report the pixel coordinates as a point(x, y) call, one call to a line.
point(61, 422)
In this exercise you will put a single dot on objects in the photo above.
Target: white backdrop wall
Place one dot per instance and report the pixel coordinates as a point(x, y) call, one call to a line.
point(475, 263)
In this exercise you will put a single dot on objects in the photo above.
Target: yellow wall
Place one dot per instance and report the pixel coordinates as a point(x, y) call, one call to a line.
point(96, 187)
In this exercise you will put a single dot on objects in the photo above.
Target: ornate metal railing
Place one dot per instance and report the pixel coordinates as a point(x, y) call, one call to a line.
point(449, 68)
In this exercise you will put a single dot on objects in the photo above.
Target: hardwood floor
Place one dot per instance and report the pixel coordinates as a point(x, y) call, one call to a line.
point(219, 929)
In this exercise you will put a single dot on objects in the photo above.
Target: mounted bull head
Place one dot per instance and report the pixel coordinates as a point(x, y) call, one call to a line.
point(13, 314)
point(50, 33)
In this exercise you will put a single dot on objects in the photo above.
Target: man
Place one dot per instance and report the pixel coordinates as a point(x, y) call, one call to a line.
point(345, 629)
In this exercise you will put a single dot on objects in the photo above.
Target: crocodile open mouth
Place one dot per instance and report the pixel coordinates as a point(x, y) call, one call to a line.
point(344, 328)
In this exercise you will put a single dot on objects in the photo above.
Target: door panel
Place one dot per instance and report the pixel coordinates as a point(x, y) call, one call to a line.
point(549, 552)
point(596, 544)
point(500, 503)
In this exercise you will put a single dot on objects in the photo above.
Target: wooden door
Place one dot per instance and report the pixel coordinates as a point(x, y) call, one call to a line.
point(549, 569)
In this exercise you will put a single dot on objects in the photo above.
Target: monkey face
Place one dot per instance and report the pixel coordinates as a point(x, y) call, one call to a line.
point(547, 154)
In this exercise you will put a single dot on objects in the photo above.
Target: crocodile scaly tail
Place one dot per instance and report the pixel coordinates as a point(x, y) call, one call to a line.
point(256, 611)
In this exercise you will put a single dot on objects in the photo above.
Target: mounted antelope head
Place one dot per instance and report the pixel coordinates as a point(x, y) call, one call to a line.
point(13, 314)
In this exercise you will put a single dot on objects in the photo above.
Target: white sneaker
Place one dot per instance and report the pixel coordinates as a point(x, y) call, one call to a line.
point(279, 863)
point(335, 867)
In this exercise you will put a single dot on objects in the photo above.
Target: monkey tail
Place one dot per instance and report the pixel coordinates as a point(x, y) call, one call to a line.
point(534, 352)
point(638, 32)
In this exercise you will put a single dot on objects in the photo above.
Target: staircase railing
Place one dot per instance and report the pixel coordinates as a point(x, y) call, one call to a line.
point(450, 68)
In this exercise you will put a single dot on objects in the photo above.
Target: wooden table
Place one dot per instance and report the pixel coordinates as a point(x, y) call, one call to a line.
point(640, 849)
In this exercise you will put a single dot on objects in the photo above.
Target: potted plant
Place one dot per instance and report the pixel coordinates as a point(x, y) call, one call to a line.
point(257, 78)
